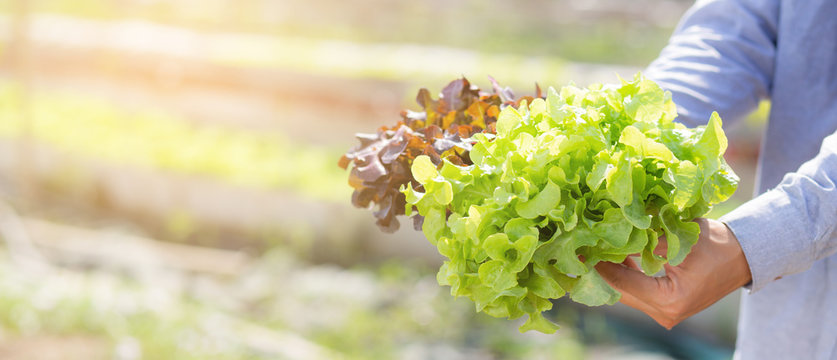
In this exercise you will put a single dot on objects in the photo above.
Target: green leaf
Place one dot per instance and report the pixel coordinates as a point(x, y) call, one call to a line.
point(644, 147)
point(713, 142)
point(636, 242)
point(478, 154)
point(448, 247)
point(614, 229)
point(423, 169)
point(556, 106)
point(680, 236)
point(520, 227)
point(444, 193)
point(563, 250)
point(645, 101)
point(451, 171)
point(542, 284)
point(525, 247)
point(495, 274)
point(686, 178)
point(508, 119)
point(485, 296)
point(434, 224)
point(566, 213)
point(520, 188)
point(635, 212)
point(592, 290)
point(537, 322)
point(496, 245)
point(559, 176)
point(503, 197)
point(509, 173)
point(601, 167)
point(619, 183)
point(411, 197)
point(650, 262)
point(537, 107)
point(720, 186)
point(542, 203)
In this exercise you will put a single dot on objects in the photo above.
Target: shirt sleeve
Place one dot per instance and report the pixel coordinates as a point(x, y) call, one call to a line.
point(720, 58)
point(786, 229)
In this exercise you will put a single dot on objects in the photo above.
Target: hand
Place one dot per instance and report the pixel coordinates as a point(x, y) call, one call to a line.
point(715, 267)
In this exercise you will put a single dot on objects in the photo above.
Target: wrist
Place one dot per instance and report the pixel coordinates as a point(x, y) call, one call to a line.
point(737, 261)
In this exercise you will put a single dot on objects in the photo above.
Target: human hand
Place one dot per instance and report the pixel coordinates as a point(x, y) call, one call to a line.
point(715, 267)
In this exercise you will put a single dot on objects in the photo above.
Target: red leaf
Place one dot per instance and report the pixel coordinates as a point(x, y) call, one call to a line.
point(380, 164)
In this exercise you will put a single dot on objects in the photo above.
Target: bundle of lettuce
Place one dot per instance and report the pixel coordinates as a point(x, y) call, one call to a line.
point(442, 129)
point(582, 176)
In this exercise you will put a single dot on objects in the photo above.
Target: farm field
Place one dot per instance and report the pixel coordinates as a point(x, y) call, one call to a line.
point(170, 186)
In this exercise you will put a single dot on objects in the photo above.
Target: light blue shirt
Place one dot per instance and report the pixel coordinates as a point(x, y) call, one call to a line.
point(727, 55)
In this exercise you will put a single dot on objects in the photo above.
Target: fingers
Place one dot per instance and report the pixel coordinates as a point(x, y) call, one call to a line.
point(631, 263)
point(633, 281)
point(638, 290)
point(715, 266)
point(662, 247)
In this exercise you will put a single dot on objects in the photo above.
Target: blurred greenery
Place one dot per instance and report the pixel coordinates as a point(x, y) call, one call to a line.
point(86, 126)
point(400, 62)
point(758, 119)
point(165, 324)
point(387, 312)
point(561, 29)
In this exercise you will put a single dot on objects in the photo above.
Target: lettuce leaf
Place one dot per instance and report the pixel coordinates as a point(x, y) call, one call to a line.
point(380, 164)
point(585, 175)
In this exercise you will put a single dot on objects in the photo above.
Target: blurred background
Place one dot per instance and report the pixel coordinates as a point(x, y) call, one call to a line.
point(169, 185)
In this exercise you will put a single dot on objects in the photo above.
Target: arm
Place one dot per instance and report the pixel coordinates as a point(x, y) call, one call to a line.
point(720, 58)
point(786, 229)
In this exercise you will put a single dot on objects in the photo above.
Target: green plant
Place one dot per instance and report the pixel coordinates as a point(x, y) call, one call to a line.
point(380, 164)
point(586, 175)
point(91, 128)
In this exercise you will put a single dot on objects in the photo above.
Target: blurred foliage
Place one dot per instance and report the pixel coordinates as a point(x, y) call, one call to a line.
point(758, 119)
point(389, 312)
point(400, 62)
point(415, 318)
point(85, 126)
point(567, 29)
point(162, 323)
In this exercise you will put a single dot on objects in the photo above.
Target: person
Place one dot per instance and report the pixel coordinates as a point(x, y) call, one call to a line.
point(728, 55)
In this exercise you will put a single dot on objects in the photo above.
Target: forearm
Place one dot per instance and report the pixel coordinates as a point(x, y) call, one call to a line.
point(786, 229)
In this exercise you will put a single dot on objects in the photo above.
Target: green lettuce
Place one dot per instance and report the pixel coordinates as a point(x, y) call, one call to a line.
point(583, 176)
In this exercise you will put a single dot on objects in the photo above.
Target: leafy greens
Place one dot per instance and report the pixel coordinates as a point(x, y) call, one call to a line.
point(583, 176)
point(381, 162)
